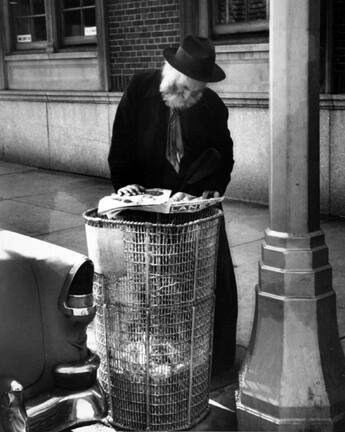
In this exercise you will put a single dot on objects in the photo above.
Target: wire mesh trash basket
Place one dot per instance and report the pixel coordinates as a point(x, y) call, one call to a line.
point(154, 289)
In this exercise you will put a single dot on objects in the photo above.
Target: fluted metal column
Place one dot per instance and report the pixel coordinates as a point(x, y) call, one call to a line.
point(293, 378)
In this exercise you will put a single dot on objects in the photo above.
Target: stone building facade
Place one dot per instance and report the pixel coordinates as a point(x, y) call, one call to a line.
point(64, 65)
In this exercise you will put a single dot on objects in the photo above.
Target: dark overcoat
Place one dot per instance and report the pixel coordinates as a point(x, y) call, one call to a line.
point(137, 155)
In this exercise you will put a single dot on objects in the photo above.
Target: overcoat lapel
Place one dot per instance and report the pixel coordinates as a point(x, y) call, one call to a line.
point(156, 115)
point(158, 130)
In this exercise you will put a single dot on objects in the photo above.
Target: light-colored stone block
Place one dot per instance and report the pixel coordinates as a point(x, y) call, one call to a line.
point(56, 71)
point(246, 68)
point(324, 161)
point(23, 132)
point(337, 162)
point(112, 108)
point(250, 132)
point(79, 137)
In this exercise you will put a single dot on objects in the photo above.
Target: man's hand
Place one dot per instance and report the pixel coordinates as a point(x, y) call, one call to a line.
point(179, 196)
point(210, 194)
point(130, 190)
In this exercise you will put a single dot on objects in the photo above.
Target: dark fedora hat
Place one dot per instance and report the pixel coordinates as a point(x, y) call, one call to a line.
point(196, 59)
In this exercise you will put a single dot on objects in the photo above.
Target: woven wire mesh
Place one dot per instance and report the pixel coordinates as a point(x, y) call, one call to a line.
point(154, 324)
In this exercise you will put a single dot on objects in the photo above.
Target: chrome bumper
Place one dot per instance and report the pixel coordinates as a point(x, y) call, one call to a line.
point(60, 410)
point(77, 399)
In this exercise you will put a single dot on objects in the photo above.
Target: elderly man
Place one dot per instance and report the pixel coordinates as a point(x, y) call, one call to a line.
point(170, 131)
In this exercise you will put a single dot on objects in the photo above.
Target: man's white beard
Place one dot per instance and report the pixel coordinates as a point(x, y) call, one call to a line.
point(174, 99)
point(173, 91)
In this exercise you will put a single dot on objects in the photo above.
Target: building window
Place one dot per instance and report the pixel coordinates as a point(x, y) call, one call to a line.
point(39, 24)
point(78, 21)
point(28, 19)
point(53, 45)
point(240, 16)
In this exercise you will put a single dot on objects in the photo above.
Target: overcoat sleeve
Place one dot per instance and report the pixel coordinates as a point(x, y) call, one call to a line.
point(121, 158)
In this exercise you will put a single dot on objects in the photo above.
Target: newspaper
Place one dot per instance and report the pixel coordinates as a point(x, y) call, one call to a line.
point(153, 200)
point(112, 204)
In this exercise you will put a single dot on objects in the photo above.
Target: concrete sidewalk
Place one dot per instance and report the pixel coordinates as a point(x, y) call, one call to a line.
point(48, 205)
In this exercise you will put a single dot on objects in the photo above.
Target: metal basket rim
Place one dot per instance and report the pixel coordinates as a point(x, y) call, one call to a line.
point(103, 222)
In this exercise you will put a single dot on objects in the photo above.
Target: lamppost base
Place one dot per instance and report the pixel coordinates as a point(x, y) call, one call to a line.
point(249, 419)
point(293, 377)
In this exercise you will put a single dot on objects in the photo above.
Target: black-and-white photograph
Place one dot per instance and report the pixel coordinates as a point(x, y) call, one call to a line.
point(172, 215)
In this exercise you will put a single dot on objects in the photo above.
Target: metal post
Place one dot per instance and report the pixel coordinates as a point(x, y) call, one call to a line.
point(293, 378)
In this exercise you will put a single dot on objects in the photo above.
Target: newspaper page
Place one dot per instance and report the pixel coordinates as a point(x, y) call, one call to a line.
point(154, 200)
point(184, 206)
point(112, 204)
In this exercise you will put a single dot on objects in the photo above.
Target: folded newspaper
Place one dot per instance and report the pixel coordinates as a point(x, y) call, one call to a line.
point(153, 200)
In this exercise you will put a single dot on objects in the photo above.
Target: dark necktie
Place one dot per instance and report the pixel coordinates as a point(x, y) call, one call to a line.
point(174, 148)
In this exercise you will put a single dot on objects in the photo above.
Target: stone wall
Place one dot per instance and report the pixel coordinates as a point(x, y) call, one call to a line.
point(71, 132)
point(339, 46)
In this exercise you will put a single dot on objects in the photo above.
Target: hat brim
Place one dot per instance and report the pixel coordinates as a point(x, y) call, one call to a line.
point(215, 75)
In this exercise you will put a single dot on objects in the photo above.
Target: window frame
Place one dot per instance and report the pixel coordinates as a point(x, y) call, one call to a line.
point(53, 48)
point(28, 45)
point(240, 27)
point(54, 29)
point(75, 40)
